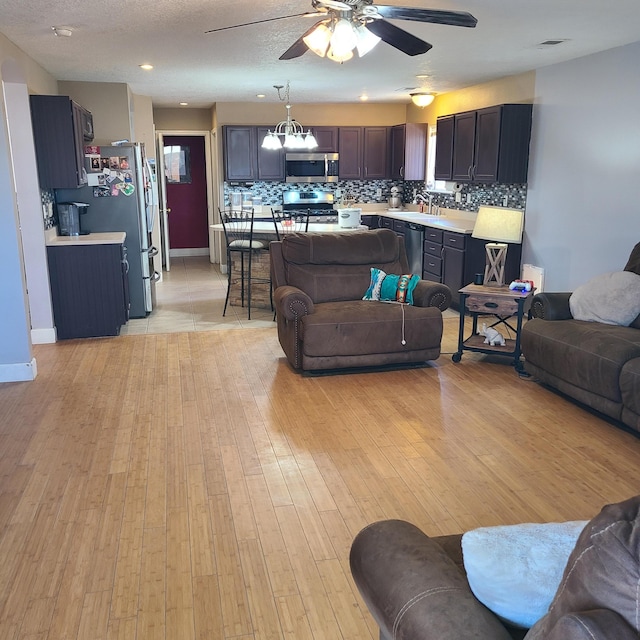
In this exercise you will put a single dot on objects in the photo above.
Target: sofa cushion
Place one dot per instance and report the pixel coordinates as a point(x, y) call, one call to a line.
point(612, 298)
point(588, 355)
point(342, 248)
point(514, 570)
point(360, 327)
point(603, 571)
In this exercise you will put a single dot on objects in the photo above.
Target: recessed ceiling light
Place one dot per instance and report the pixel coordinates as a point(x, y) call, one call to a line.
point(183, 104)
point(422, 76)
point(63, 32)
point(364, 97)
point(260, 95)
point(146, 67)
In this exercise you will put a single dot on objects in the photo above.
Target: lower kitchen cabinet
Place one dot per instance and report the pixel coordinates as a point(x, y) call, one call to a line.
point(89, 289)
point(371, 221)
point(454, 258)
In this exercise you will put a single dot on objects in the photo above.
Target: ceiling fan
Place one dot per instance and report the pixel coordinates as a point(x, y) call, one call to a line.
point(358, 25)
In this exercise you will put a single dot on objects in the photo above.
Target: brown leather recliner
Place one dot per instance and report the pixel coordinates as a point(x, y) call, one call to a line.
point(415, 586)
point(323, 323)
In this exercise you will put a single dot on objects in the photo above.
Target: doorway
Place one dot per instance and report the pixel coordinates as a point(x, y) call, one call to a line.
point(186, 195)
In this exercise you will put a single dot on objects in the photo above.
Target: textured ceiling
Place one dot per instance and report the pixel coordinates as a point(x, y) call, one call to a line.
point(110, 39)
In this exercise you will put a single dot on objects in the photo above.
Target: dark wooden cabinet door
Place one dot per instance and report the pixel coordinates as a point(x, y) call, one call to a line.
point(415, 151)
point(58, 139)
point(397, 145)
point(327, 139)
point(487, 144)
point(350, 149)
point(240, 153)
point(375, 153)
point(464, 136)
point(270, 161)
point(444, 148)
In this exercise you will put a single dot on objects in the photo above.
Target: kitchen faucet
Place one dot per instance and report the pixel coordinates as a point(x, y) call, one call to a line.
point(426, 200)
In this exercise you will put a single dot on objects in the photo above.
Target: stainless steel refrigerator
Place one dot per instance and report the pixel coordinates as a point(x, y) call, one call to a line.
point(120, 199)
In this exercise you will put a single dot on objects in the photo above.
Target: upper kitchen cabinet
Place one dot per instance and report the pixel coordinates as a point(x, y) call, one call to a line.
point(244, 158)
point(270, 161)
point(350, 150)
point(240, 153)
point(444, 148)
point(363, 153)
point(408, 151)
point(327, 139)
point(60, 129)
point(487, 145)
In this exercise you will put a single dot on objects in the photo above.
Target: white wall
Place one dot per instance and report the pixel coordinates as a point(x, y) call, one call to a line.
point(583, 211)
point(29, 202)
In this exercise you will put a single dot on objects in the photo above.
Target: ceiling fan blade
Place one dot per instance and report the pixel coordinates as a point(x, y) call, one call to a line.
point(398, 38)
point(248, 24)
point(454, 18)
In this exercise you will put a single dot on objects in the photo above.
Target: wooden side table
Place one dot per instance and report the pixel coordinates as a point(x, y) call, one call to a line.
point(502, 304)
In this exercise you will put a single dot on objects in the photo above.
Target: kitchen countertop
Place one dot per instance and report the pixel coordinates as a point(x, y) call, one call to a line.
point(449, 220)
point(115, 237)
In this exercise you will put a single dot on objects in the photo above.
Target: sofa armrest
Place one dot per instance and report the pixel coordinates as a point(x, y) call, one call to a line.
point(432, 294)
point(551, 306)
point(413, 588)
point(597, 624)
point(292, 302)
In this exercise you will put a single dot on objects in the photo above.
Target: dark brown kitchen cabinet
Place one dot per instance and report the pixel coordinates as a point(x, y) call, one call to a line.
point(240, 153)
point(444, 148)
point(408, 146)
point(375, 153)
point(492, 144)
point(464, 140)
point(59, 128)
point(327, 139)
point(244, 158)
point(89, 289)
point(270, 161)
point(350, 147)
point(363, 153)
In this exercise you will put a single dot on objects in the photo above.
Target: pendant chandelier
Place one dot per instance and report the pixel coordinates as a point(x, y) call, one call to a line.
point(292, 132)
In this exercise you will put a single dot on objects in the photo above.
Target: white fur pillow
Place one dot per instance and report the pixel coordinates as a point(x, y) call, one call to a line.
point(612, 298)
point(515, 570)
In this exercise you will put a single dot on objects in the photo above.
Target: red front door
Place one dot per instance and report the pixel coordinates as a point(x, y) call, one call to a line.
point(185, 168)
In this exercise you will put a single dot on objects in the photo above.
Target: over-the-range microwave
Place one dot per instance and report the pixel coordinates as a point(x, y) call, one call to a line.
point(311, 167)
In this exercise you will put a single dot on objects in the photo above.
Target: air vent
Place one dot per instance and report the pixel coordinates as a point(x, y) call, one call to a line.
point(551, 43)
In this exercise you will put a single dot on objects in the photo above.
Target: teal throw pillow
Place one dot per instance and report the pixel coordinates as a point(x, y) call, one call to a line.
point(390, 287)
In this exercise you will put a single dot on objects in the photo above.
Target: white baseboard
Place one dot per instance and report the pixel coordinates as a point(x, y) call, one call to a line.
point(19, 372)
point(183, 253)
point(43, 336)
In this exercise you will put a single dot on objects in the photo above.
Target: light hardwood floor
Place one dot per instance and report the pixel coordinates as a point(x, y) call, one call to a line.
point(191, 485)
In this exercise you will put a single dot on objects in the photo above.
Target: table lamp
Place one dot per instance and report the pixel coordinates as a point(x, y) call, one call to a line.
point(500, 225)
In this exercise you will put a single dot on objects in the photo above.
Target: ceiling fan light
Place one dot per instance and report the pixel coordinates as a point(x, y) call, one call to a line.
point(422, 99)
point(366, 40)
point(343, 57)
point(318, 40)
point(344, 37)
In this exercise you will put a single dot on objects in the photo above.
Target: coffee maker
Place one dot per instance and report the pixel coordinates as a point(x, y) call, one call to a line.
point(69, 216)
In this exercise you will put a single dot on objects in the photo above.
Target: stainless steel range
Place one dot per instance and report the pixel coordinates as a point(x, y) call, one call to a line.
point(318, 204)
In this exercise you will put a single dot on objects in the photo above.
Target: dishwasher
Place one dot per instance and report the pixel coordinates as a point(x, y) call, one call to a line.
point(413, 243)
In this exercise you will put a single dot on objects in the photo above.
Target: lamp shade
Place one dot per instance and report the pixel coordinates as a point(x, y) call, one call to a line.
point(499, 224)
point(422, 99)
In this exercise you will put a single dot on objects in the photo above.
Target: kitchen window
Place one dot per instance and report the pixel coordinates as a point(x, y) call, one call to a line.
point(432, 183)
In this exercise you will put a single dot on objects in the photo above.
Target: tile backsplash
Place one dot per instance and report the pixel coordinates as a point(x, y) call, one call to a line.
point(47, 198)
point(472, 196)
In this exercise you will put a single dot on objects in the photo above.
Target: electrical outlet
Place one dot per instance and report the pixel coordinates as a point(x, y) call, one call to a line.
point(458, 196)
point(505, 201)
point(468, 198)
point(379, 193)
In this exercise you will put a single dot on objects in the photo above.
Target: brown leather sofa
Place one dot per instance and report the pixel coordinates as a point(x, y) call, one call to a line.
point(416, 589)
point(594, 363)
point(323, 324)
